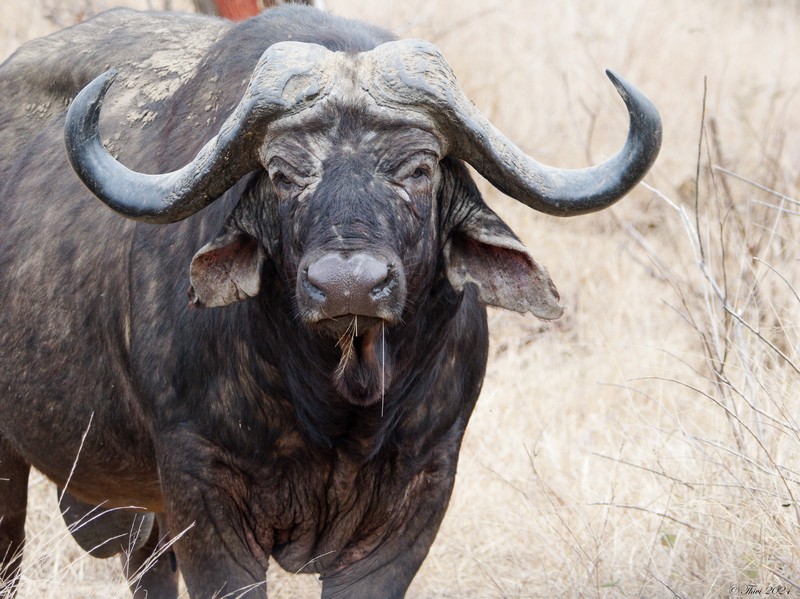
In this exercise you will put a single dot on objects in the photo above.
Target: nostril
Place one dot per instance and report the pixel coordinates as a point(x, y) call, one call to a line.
point(381, 291)
point(324, 273)
point(369, 271)
point(385, 286)
point(313, 290)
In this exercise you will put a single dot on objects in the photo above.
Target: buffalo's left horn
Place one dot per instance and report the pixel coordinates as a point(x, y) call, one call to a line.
point(289, 76)
point(414, 74)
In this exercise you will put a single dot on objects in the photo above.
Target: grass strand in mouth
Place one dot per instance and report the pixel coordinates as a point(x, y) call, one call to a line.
point(347, 345)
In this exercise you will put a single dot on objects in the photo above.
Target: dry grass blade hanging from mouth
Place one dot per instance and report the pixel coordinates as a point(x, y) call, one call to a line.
point(347, 345)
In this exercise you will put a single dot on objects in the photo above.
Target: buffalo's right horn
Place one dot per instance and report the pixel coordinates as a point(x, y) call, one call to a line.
point(289, 76)
point(413, 74)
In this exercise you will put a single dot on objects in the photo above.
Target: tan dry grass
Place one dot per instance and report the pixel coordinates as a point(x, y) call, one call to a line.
point(592, 466)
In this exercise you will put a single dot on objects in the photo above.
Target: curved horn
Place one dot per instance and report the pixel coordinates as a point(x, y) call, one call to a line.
point(288, 77)
point(414, 74)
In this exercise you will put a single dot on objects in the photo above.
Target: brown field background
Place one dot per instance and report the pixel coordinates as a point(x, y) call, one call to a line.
point(647, 444)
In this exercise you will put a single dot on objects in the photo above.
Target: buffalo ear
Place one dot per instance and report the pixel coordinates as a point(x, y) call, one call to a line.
point(226, 270)
point(484, 251)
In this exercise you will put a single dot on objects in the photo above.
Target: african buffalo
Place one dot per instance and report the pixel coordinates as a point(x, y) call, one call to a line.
point(308, 399)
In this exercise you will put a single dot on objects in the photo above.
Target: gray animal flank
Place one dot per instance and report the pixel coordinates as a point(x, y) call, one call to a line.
point(267, 336)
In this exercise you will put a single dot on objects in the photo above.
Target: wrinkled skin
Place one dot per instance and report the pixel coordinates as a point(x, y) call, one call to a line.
point(287, 406)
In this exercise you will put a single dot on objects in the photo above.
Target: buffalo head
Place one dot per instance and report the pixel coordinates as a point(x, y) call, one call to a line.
point(365, 201)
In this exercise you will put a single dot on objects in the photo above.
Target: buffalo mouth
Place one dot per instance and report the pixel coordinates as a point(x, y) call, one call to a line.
point(348, 325)
point(364, 371)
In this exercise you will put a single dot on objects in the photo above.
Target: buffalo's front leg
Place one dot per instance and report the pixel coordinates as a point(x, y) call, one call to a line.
point(13, 502)
point(214, 543)
point(388, 570)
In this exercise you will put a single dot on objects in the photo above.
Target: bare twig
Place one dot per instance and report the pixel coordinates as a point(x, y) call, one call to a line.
point(77, 455)
point(752, 183)
point(697, 171)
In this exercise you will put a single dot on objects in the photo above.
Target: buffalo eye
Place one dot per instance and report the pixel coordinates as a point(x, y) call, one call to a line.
point(283, 183)
point(413, 176)
point(416, 177)
point(416, 183)
point(420, 174)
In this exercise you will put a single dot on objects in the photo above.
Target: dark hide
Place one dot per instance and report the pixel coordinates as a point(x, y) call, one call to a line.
point(253, 429)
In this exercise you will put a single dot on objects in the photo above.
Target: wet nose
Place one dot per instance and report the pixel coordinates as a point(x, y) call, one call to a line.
point(355, 284)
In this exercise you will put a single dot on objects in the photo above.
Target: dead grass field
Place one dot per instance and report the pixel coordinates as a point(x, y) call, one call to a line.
point(647, 444)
